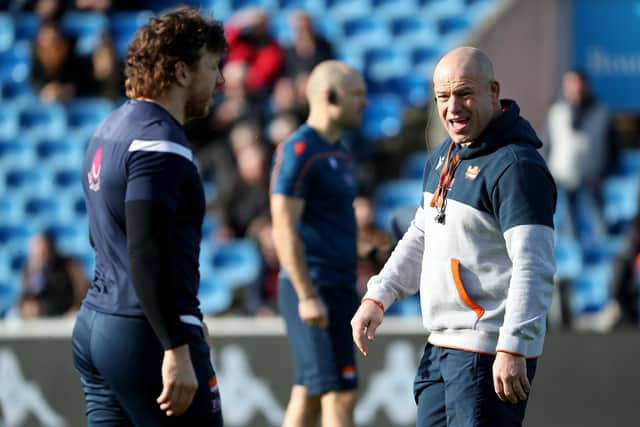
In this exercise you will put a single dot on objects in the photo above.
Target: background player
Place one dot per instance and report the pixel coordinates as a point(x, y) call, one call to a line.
point(314, 228)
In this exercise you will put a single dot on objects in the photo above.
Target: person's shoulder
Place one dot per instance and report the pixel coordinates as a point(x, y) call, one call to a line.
point(302, 142)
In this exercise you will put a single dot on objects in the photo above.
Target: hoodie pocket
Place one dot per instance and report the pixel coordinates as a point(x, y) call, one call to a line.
point(462, 292)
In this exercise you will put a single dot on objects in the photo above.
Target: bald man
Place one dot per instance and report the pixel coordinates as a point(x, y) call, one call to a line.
point(479, 250)
point(312, 193)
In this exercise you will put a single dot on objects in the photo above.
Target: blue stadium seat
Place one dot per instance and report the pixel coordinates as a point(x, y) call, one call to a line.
point(70, 238)
point(414, 31)
point(42, 120)
point(215, 296)
point(16, 95)
point(17, 152)
point(562, 218)
point(26, 26)
point(68, 179)
point(15, 63)
point(237, 5)
point(394, 8)
point(339, 10)
point(9, 296)
point(620, 199)
point(413, 166)
point(628, 162)
point(11, 208)
point(86, 27)
point(14, 236)
point(7, 31)
point(29, 181)
point(238, 261)
point(367, 31)
point(414, 88)
point(60, 152)
point(394, 194)
point(588, 219)
point(382, 117)
point(386, 63)
point(441, 8)
point(424, 59)
point(453, 24)
point(123, 25)
point(351, 54)
point(590, 291)
point(309, 6)
point(42, 211)
point(568, 258)
point(86, 114)
point(8, 123)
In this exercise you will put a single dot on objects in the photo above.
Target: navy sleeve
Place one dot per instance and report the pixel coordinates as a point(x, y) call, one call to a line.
point(155, 176)
point(525, 194)
point(290, 173)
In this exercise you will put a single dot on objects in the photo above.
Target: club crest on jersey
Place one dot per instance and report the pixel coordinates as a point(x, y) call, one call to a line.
point(472, 172)
point(94, 174)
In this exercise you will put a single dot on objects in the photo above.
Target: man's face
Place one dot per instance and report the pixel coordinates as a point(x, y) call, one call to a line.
point(574, 88)
point(352, 100)
point(206, 80)
point(466, 103)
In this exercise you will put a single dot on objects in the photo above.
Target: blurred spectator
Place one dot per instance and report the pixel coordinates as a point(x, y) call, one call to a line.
point(236, 105)
point(45, 9)
point(110, 5)
point(52, 285)
point(581, 147)
point(108, 70)
point(287, 99)
point(308, 50)
point(251, 43)
point(625, 284)
point(261, 299)
point(281, 127)
point(373, 243)
point(58, 73)
point(246, 199)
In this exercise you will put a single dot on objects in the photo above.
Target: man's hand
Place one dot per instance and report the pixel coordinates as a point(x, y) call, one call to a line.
point(313, 311)
point(179, 382)
point(510, 377)
point(366, 320)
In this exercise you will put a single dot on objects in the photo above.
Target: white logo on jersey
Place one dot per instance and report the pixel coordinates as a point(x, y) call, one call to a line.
point(333, 162)
point(440, 162)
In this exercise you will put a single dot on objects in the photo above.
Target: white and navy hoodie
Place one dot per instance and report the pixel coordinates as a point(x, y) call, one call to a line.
point(485, 272)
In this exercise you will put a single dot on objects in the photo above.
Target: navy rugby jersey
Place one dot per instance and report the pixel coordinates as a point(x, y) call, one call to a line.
point(140, 152)
point(308, 167)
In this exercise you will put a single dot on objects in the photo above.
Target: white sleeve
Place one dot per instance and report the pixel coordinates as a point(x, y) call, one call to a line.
point(530, 248)
point(400, 276)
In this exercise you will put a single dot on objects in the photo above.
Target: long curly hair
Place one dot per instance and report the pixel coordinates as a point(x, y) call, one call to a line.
point(156, 47)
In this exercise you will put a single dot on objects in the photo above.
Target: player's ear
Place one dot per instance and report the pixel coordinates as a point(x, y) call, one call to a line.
point(182, 73)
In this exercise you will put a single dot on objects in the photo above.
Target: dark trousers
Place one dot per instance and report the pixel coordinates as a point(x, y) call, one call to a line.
point(119, 360)
point(454, 388)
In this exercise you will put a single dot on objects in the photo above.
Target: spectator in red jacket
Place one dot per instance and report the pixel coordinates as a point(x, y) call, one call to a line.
point(251, 43)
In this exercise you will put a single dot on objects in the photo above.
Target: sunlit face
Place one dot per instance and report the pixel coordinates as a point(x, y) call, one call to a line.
point(206, 80)
point(352, 100)
point(466, 103)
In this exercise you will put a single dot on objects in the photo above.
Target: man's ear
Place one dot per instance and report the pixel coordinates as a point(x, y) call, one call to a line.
point(494, 88)
point(182, 73)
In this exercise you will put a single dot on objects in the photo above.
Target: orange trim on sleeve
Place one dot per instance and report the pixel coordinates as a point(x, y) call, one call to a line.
point(455, 269)
point(276, 168)
point(376, 302)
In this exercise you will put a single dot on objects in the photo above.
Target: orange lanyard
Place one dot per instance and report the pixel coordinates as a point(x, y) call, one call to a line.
point(439, 199)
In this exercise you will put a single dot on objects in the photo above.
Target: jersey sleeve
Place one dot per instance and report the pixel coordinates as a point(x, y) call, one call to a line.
point(290, 172)
point(154, 171)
